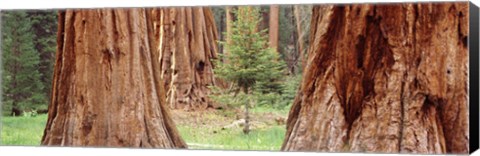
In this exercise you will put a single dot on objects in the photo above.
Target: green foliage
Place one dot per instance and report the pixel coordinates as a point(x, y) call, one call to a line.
point(220, 22)
point(250, 61)
point(236, 99)
point(251, 64)
point(286, 37)
point(291, 86)
point(22, 88)
point(283, 99)
point(44, 26)
point(269, 100)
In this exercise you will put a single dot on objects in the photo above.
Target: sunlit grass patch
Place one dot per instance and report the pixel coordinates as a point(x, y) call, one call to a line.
point(25, 131)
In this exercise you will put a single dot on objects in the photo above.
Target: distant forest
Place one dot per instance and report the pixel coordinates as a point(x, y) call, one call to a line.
point(29, 46)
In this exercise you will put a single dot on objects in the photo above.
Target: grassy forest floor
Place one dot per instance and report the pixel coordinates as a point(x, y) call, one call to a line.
point(200, 130)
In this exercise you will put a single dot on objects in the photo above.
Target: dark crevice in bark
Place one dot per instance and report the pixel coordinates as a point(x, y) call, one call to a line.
point(418, 58)
point(360, 46)
point(200, 66)
point(427, 103)
point(380, 58)
point(68, 70)
point(87, 123)
point(368, 67)
point(402, 112)
point(463, 39)
point(147, 134)
point(324, 58)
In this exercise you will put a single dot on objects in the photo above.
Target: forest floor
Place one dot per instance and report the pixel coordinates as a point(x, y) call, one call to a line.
point(204, 129)
point(200, 129)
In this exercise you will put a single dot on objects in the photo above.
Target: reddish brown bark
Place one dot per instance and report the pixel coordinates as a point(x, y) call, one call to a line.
point(384, 78)
point(186, 38)
point(105, 88)
point(273, 27)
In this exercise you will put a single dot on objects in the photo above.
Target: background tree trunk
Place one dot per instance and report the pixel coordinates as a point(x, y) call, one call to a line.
point(300, 43)
point(186, 38)
point(265, 14)
point(384, 78)
point(229, 20)
point(220, 29)
point(105, 88)
point(273, 28)
point(248, 103)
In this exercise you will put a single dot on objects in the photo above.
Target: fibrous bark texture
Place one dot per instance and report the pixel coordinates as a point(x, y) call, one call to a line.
point(106, 91)
point(384, 78)
point(186, 38)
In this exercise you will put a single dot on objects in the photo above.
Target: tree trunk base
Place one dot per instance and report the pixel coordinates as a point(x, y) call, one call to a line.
point(384, 78)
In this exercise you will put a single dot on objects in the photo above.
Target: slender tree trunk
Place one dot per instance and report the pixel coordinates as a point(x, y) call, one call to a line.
point(246, 128)
point(228, 38)
point(186, 38)
point(15, 111)
point(221, 30)
point(291, 48)
point(265, 13)
point(273, 27)
point(384, 78)
point(106, 91)
point(300, 42)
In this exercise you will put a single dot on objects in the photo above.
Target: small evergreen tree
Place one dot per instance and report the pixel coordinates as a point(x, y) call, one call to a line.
point(44, 27)
point(22, 89)
point(251, 64)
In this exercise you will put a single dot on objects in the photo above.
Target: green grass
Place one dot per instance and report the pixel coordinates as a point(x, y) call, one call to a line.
point(28, 131)
point(233, 139)
point(25, 131)
point(265, 109)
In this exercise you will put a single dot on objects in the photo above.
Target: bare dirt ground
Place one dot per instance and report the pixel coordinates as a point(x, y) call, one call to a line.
point(213, 118)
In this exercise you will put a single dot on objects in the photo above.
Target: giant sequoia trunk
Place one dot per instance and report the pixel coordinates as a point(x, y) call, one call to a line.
point(186, 38)
point(384, 78)
point(106, 88)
